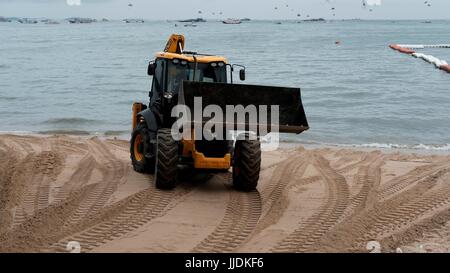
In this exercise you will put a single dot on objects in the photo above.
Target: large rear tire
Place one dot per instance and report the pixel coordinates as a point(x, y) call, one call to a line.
point(166, 169)
point(246, 164)
point(138, 145)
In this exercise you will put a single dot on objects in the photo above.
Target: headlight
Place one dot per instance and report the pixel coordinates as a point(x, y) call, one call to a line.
point(168, 95)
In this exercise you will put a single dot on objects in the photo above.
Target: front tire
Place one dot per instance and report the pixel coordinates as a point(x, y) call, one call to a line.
point(246, 164)
point(166, 169)
point(138, 145)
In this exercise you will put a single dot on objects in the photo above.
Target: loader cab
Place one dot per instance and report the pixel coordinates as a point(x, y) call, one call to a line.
point(181, 70)
point(170, 71)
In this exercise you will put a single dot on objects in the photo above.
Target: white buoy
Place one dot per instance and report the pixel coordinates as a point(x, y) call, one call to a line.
point(425, 46)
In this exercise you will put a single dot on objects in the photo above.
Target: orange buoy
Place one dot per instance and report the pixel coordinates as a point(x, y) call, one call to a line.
point(445, 68)
point(402, 49)
point(406, 51)
point(395, 47)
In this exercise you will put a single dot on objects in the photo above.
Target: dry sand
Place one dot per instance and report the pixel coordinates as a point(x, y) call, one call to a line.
point(59, 189)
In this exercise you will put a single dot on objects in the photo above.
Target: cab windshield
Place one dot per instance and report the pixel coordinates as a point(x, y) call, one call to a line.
point(178, 71)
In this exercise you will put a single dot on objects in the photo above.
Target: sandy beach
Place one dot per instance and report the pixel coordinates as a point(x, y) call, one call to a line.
point(56, 189)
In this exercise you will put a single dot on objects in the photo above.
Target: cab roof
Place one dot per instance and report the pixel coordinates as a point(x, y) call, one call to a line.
point(190, 58)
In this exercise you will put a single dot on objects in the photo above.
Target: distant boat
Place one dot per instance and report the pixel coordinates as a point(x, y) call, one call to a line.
point(232, 21)
point(11, 19)
point(190, 25)
point(27, 21)
point(51, 22)
point(196, 20)
point(315, 20)
point(133, 21)
point(246, 20)
point(4, 20)
point(77, 20)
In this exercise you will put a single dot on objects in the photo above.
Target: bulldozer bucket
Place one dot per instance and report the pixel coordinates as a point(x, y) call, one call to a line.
point(290, 118)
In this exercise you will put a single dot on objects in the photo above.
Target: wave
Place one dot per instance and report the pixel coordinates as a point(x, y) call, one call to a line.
point(10, 113)
point(430, 147)
point(386, 146)
point(116, 133)
point(8, 98)
point(72, 121)
point(65, 132)
point(20, 133)
point(110, 133)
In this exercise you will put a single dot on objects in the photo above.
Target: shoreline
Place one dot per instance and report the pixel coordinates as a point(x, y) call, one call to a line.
point(422, 149)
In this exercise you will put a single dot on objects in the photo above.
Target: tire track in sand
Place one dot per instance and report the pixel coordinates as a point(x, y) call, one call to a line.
point(369, 177)
point(10, 190)
point(328, 215)
point(68, 145)
point(273, 196)
point(112, 170)
point(50, 165)
point(396, 185)
point(347, 168)
point(401, 216)
point(123, 217)
point(44, 169)
point(241, 217)
point(86, 214)
point(419, 231)
point(20, 143)
point(347, 160)
point(38, 196)
point(79, 177)
point(353, 234)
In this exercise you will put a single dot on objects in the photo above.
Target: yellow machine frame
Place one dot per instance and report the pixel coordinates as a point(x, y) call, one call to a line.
point(137, 107)
point(191, 58)
point(201, 161)
point(174, 50)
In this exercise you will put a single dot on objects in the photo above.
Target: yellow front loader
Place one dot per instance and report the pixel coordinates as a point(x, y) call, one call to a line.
point(180, 80)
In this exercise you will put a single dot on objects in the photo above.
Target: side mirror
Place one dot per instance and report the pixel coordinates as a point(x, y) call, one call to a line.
point(151, 69)
point(242, 74)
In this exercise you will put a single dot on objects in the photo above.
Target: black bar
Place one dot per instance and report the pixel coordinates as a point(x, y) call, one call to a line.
point(249, 262)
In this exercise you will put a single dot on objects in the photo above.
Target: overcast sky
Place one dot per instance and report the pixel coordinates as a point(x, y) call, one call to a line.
point(256, 9)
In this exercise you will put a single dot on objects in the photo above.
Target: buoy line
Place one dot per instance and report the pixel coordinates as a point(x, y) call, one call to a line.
point(408, 49)
point(431, 59)
point(425, 46)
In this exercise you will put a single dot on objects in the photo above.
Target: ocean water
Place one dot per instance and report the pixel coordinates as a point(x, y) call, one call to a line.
point(83, 79)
